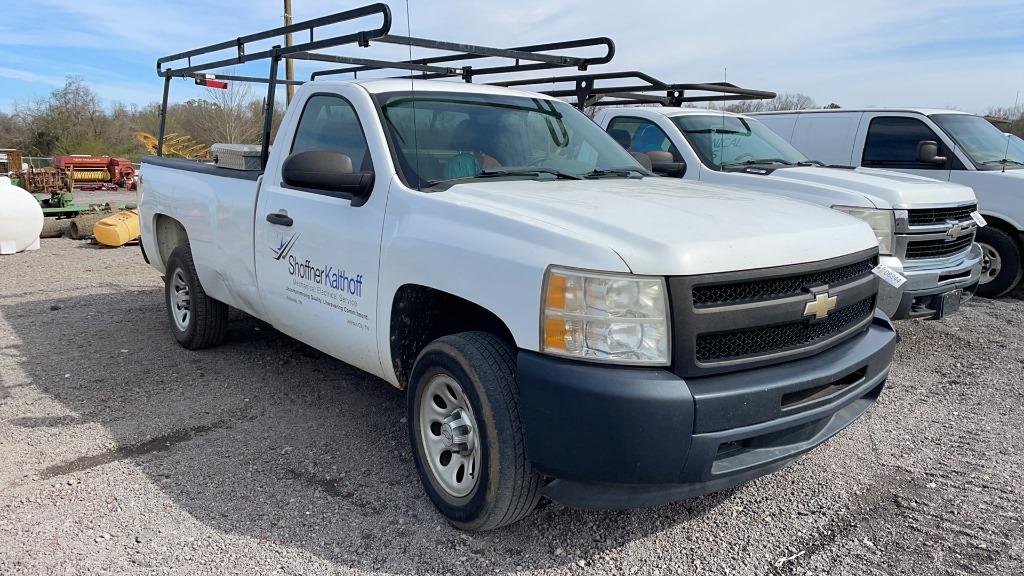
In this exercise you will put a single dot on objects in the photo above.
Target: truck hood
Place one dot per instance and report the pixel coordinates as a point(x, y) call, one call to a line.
point(666, 226)
point(878, 188)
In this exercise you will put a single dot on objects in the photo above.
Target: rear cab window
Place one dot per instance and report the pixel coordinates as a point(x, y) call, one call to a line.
point(329, 122)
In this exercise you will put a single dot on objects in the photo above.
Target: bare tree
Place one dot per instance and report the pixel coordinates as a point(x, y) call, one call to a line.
point(227, 115)
point(787, 101)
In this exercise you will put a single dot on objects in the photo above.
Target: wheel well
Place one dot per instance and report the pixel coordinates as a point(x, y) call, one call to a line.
point(996, 222)
point(420, 315)
point(169, 235)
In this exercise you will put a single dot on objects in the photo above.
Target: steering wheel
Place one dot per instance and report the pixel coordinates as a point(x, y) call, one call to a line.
point(743, 157)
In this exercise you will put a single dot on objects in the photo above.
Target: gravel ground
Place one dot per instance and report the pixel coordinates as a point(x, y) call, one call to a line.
point(121, 452)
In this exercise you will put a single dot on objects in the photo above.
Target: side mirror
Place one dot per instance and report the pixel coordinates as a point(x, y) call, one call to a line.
point(663, 163)
point(928, 152)
point(327, 172)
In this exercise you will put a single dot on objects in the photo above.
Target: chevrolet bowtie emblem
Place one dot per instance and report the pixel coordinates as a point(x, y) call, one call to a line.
point(955, 229)
point(820, 306)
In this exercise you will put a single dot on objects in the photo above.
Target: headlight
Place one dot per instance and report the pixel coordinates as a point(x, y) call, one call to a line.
point(881, 221)
point(605, 317)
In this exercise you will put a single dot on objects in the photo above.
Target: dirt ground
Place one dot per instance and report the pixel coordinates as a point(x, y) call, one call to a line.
point(122, 453)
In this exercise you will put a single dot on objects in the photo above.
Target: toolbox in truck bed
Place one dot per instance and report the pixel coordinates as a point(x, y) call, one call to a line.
point(236, 156)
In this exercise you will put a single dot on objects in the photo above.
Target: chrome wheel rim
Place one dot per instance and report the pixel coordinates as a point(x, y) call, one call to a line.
point(991, 263)
point(180, 300)
point(448, 435)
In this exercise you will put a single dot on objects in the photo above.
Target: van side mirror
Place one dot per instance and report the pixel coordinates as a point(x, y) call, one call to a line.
point(327, 172)
point(928, 152)
point(664, 164)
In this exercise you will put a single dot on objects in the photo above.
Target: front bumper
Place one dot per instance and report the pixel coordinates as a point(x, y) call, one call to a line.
point(921, 294)
point(614, 437)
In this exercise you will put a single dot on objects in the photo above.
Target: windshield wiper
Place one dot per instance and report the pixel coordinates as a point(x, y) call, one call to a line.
point(624, 172)
point(558, 174)
point(1003, 161)
point(759, 161)
point(810, 163)
point(497, 172)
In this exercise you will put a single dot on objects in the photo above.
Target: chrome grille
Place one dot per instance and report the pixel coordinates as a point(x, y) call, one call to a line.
point(920, 249)
point(936, 216)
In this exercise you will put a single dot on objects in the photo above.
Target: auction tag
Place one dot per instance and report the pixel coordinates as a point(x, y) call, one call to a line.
point(889, 275)
point(978, 218)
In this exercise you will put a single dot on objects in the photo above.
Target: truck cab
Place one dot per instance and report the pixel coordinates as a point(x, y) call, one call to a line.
point(945, 145)
point(736, 150)
point(563, 323)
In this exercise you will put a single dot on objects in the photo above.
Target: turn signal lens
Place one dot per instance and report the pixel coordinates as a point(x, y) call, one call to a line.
point(605, 317)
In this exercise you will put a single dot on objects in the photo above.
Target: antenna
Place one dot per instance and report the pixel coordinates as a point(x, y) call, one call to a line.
point(1006, 151)
point(412, 90)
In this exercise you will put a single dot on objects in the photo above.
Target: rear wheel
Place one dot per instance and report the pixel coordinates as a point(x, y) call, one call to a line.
point(466, 434)
point(197, 320)
point(1001, 262)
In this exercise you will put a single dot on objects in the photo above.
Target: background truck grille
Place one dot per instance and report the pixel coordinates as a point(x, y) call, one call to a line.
point(918, 249)
point(935, 216)
point(724, 294)
point(773, 339)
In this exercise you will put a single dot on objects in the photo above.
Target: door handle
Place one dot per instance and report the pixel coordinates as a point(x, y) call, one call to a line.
point(279, 219)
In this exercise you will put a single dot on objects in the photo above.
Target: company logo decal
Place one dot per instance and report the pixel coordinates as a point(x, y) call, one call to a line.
point(284, 247)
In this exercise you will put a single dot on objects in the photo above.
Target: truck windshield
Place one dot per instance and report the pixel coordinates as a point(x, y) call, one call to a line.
point(724, 141)
point(988, 148)
point(444, 137)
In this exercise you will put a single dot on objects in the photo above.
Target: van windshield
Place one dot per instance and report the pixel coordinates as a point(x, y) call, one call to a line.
point(727, 141)
point(988, 148)
point(443, 138)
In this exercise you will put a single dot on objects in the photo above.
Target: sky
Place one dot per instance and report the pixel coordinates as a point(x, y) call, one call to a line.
point(934, 53)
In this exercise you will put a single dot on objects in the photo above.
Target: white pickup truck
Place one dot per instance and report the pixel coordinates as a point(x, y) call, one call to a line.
point(947, 145)
point(924, 227)
point(564, 323)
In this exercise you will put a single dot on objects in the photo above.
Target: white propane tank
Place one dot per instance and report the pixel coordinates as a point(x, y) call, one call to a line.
point(21, 219)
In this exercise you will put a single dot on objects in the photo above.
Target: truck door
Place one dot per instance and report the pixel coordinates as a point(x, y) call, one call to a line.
point(317, 251)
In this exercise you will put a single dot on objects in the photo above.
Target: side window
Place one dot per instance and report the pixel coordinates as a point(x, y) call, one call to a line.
point(330, 123)
point(892, 141)
point(638, 135)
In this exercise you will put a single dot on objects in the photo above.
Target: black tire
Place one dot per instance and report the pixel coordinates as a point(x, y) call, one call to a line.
point(207, 319)
point(508, 487)
point(1009, 254)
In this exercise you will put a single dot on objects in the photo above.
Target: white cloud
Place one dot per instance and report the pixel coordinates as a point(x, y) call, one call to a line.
point(874, 52)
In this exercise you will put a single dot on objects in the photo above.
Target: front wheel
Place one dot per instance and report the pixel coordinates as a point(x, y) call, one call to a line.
point(1001, 262)
point(197, 320)
point(466, 434)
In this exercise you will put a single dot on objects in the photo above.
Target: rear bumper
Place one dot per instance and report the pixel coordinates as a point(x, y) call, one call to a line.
point(921, 295)
point(617, 437)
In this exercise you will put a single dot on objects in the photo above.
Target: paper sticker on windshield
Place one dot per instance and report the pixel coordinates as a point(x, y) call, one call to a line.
point(889, 275)
point(978, 218)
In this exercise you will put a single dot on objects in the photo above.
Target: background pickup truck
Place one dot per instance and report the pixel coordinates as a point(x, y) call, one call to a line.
point(966, 149)
point(914, 218)
point(564, 323)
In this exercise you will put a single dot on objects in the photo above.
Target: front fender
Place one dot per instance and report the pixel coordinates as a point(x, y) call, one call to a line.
point(495, 260)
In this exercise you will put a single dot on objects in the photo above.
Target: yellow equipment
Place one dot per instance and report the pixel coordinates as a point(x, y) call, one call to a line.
point(119, 229)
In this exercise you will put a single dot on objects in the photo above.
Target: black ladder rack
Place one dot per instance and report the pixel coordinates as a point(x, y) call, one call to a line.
point(452, 64)
point(641, 89)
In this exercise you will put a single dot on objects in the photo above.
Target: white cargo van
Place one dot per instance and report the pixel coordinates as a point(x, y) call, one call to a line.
point(969, 150)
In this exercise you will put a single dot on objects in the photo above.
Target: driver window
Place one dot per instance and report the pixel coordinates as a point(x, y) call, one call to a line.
point(892, 142)
point(330, 123)
point(637, 135)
